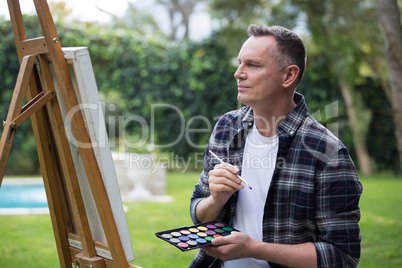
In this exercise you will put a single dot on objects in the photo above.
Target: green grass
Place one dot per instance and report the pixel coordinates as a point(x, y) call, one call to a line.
point(144, 219)
point(29, 239)
point(381, 222)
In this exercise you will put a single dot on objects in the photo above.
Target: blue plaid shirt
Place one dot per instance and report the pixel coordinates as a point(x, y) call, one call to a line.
point(314, 194)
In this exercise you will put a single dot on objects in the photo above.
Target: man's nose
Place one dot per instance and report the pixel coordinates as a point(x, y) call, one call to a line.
point(240, 74)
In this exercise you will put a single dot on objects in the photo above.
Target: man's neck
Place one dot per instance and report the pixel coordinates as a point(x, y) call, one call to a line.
point(267, 119)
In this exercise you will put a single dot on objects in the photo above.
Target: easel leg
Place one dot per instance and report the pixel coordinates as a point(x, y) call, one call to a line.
point(52, 178)
point(16, 104)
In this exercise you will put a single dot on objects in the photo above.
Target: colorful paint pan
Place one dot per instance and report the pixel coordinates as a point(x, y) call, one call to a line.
point(175, 234)
point(210, 232)
point(197, 236)
point(184, 238)
point(167, 236)
point(193, 236)
point(192, 243)
point(209, 238)
point(200, 234)
point(186, 232)
point(201, 240)
point(174, 240)
point(183, 245)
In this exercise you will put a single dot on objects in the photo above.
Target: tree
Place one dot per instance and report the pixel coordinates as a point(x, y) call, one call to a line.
point(179, 15)
point(234, 17)
point(334, 30)
point(390, 18)
point(141, 22)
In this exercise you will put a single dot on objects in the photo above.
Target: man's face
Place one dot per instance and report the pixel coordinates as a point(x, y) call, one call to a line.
point(258, 79)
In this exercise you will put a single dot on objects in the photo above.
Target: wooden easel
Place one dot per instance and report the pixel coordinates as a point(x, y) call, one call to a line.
point(67, 210)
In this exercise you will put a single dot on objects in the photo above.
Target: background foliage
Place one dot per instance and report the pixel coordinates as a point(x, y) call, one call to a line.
point(137, 69)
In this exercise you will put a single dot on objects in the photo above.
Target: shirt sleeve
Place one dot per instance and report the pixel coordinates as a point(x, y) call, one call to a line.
point(338, 191)
point(201, 189)
point(218, 143)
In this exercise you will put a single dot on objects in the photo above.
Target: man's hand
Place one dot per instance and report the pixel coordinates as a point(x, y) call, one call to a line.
point(240, 245)
point(223, 182)
point(234, 246)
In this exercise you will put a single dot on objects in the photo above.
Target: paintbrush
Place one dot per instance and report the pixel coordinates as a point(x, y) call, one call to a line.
point(220, 160)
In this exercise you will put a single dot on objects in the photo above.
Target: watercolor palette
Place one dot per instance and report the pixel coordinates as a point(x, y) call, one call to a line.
point(191, 237)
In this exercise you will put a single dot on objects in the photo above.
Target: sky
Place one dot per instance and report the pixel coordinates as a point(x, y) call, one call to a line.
point(82, 9)
point(88, 10)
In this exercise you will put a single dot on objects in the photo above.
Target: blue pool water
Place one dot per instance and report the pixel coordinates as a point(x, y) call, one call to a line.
point(23, 196)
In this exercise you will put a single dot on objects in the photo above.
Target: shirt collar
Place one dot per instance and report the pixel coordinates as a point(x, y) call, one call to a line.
point(248, 118)
point(292, 122)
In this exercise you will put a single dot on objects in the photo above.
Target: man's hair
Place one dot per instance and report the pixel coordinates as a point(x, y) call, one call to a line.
point(289, 49)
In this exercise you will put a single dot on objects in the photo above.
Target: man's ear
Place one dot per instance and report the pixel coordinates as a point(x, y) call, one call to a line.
point(290, 75)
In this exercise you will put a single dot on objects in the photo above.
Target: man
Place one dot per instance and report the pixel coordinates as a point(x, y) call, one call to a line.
point(302, 210)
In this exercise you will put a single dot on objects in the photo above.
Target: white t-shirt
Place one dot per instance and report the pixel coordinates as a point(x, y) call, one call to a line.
point(258, 166)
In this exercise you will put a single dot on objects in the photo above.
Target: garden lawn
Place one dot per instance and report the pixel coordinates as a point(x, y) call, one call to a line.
point(381, 222)
point(27, 241)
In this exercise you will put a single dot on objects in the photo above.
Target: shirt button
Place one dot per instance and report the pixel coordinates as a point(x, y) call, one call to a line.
point(291, 133)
